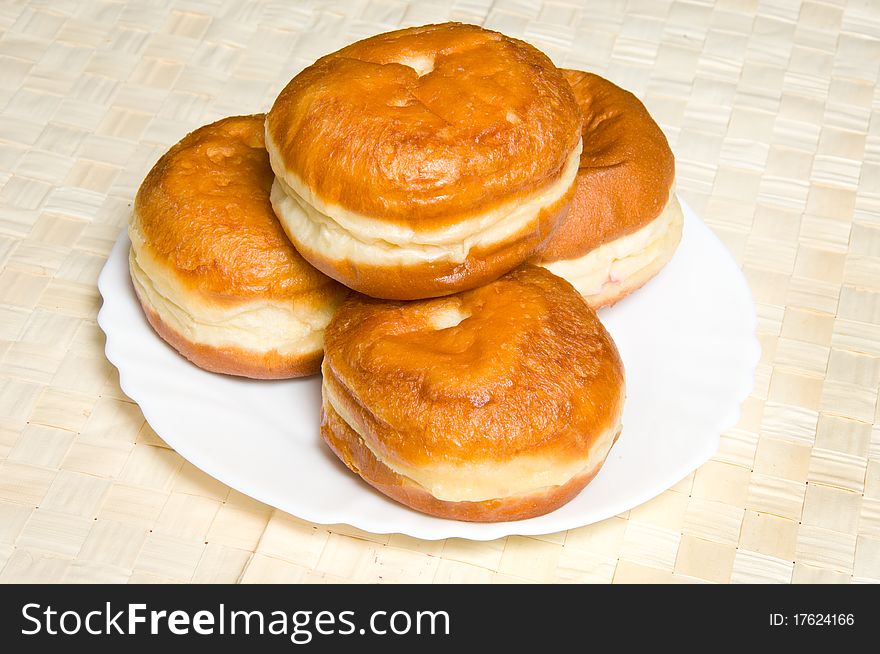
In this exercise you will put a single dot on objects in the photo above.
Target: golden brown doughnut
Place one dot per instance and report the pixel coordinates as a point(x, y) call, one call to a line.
point(498, 403)
point(625, 221)
point(216, 275)
point(424, 161)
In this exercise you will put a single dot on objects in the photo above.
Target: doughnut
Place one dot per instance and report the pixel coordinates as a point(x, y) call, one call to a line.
point(493, 404)
point(425, 161)
point(625, 221)
point(211, 266)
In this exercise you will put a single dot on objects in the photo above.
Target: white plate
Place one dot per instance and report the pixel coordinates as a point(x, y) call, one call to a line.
point(687, 340)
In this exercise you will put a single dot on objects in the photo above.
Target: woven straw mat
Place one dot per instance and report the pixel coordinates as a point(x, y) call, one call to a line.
point(773, 111)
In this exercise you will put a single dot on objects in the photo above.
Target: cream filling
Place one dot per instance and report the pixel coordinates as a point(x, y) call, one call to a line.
point(615, 262)
point(340, 234)
point(256, 325)
point(478, 482)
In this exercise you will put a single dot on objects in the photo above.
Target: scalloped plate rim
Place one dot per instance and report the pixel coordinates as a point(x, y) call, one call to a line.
point(442, 528)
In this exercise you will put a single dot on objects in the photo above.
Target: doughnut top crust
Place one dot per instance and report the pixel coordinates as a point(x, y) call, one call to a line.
point(204, 211)
point(626, 169)
point(425, 126)
point(520, 366)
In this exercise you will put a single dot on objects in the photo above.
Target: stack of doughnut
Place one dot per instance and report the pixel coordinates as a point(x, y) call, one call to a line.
point(435, 213)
